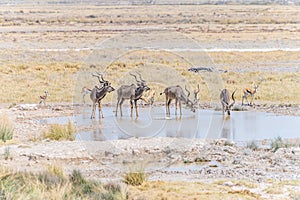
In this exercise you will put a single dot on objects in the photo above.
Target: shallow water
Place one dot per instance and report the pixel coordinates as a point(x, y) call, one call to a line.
point(240, 126)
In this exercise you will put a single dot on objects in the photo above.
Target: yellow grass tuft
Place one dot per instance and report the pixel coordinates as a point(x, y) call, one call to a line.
point(6, 128)
point(186, 190)
point(61, 132)
point(50, 185)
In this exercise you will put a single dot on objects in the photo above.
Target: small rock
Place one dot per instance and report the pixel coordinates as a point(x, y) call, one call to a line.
point(107, 153)
point(175, 156)
point(188, 160)
point(236, 162)
point(135, 152)
point(230, 150)
point(228, 184)
point(57, 108)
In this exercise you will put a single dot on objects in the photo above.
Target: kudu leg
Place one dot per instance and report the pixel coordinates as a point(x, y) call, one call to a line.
point(131, 107)
point(169, 102)
point(180, 108)
point(167, 106)
point(136, 110)
point(121, 113)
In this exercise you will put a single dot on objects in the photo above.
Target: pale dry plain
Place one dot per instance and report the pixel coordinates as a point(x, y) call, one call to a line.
point(55, 47)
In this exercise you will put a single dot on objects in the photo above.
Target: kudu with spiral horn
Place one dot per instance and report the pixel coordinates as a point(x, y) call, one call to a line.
point(85, 90)
point(98, 93)
point(132, 92)
point(225, 100)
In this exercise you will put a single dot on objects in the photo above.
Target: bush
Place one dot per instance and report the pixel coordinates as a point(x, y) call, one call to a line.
point(6, 130)
point(113, 192)
point(278, 143)
point(52, 185)
point(135, 178)
point(81, 186)
point(61, 132)
point(6, 133)
point(252, 145)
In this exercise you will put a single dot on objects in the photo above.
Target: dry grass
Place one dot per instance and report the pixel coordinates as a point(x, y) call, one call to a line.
point(186, 190)
point(277, 87)
point(135, 178)
point(280, 187)
point(52, 184)
point(64, 85)
point(56, 71)
point(61, 132)
point(30, 80)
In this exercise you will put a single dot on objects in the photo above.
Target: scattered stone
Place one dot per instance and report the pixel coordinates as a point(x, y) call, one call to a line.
point(136, 152)
point(57, 108)
point(26, 107)
point(228, 184)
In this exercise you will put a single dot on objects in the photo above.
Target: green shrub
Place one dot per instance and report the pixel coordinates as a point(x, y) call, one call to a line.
point(6, 129)
point(81, 186)
point(278, 143)
point(252, 145)
point(114, 192)
point(6, 133)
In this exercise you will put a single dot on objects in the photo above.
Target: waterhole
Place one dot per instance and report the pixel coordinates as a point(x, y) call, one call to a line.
point(152, 122)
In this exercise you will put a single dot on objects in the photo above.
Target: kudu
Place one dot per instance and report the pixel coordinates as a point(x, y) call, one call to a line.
point(43, 98)
point(225, 100)
point(131, 92)
point(176, 92)
point(97, 94)
point(85, 90)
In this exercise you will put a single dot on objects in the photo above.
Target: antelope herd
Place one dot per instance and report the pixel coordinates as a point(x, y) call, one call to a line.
point(135, 92)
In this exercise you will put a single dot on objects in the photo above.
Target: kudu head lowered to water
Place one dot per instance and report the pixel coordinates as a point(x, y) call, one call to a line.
point(225, 100)
point(132, 92)
point(176, 92)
